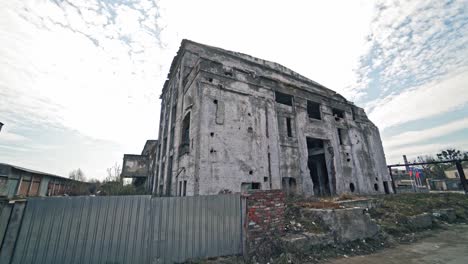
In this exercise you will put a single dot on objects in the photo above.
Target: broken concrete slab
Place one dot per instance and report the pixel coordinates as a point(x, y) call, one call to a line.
point(348, 224)
point(420, 221)
point(447, 214)
point(362, 203)
point(307, 238)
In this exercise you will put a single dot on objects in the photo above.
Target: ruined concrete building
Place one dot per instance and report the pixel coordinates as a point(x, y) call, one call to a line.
point(231, 122)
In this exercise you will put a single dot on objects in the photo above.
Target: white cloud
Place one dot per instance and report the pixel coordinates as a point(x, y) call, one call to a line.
point(320, 40)
point(413, 151)
point(97, 67)
point(416, 136)
point(412, 43)
point(424, 101)
point(90, 66)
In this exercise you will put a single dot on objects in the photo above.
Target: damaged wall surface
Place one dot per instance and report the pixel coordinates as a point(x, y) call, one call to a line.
point(231, 122)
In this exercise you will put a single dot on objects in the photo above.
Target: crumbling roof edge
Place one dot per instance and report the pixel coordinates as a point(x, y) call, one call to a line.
point(246, 57)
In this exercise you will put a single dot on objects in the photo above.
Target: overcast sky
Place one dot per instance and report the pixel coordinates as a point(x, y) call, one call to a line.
point(80, 79)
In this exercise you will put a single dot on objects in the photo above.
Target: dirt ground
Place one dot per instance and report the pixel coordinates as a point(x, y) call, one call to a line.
point(448, 246)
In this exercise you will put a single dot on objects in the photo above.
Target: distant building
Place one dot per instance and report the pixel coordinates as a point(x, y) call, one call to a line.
point(452, 172)
point(231, 122)
point(140, 168)
point(18, 181)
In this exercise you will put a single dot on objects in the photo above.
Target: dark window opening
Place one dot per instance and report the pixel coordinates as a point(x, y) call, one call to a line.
point(351, 187)
point(265, 179)
point(376, 187)
point(342, 136)
point(288, 126)
point(250, 172)
point(185, 189)
point(337, 114)
point(173, 115)
point(164, 146)
point(185, 142)
point(313, 110)
point(282, 98)
point(247, 186)
point(353, 114)
point(169, 177)
point(313, 143)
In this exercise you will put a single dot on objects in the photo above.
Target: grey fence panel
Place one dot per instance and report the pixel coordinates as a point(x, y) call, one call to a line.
point(195, 227)
point(128, 229)
point(83, 230)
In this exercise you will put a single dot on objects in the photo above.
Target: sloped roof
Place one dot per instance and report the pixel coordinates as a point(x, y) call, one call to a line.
point(34, 171)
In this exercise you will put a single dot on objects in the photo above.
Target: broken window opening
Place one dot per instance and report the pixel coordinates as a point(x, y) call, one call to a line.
point(351, 187)
point(313, 110)
point(282, 98)
point(247, 186)
point(337, 113)
point(376, 187)
point(169, 177)
point(173, 115)
point(288, 126)
point(185, 139)
point(342, 136)
point(171, 140)
point(185, 189)
point(162, 172)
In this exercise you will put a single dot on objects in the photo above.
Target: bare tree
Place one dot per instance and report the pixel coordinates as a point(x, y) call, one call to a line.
point(431, 170)
point(113, 173)
point(77, 175)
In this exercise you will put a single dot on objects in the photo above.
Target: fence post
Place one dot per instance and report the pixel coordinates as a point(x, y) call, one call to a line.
point(12, 231)
point(461, 173)
point(393, 182)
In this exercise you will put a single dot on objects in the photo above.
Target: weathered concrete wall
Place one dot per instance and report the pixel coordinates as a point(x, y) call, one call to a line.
point(239, 137)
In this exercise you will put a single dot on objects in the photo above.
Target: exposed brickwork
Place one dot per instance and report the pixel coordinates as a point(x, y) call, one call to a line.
point(265, 214)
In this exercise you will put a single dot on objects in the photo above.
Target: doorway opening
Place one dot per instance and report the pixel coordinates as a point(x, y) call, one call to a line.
point(318, 167)
point(288, 185)
point(386, 188)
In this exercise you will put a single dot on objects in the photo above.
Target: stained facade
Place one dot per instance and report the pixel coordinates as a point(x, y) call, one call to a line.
point(231, 122)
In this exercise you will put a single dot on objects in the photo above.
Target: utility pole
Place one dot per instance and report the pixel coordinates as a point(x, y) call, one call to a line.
point(413, 182)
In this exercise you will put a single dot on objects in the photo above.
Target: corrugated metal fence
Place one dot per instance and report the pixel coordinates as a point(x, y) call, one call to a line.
point(128, 229)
